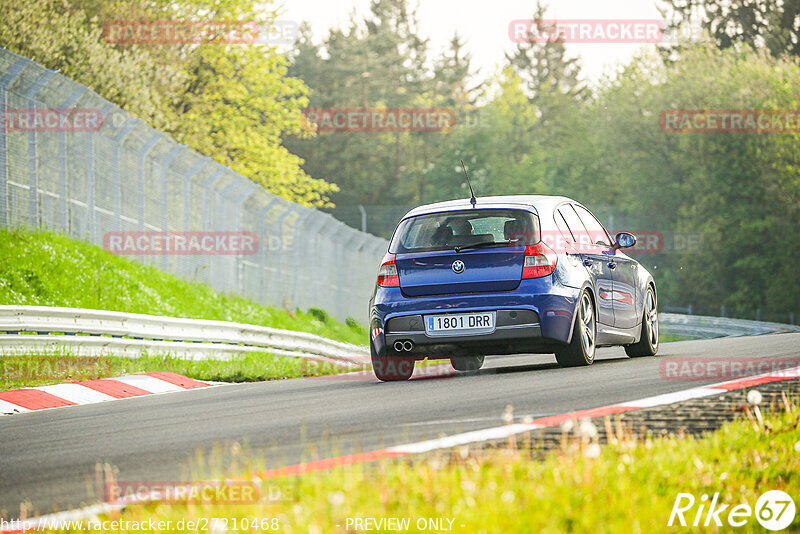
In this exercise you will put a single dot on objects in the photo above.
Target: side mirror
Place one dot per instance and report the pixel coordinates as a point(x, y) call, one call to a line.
point(625, 240)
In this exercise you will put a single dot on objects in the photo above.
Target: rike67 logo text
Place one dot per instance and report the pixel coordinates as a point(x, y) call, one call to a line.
point(774, 510)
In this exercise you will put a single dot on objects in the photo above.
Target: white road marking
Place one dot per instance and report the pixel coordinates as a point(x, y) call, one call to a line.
point(75, 393)
point(149, 383)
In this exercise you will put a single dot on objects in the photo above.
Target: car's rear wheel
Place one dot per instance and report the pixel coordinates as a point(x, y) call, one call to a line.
point(391, 368)
point(467, 363)
point(648, 341)
point(581, 348)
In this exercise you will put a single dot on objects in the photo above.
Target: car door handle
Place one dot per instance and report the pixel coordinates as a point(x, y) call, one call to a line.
point(612, 265)
point(587, 262)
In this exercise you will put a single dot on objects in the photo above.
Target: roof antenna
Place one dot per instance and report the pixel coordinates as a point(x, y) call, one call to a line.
point(472, 199)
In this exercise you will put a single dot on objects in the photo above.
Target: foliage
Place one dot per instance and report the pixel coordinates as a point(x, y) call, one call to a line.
point(234, 103)
point(761, 24)
point(60, 35)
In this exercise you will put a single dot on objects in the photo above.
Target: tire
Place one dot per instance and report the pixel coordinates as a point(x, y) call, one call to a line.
point(582, 346)
point(391, 368)
point(467, 363)
point(648, 339)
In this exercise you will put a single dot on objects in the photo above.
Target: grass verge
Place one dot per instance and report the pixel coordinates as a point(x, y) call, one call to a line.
point(47, 269)
point(630, 485)
point(21, 371)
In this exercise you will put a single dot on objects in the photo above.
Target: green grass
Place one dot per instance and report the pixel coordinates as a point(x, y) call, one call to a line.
point(628, 486)
point(59, 366)
point(47, 269)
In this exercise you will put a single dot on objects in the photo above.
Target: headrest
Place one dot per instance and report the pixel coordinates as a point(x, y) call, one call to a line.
point(513, 229)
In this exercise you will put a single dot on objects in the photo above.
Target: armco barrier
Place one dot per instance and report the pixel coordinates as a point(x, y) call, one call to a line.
point(701, 326)
point(94, 332)
point(88, 332)
point(75, 163)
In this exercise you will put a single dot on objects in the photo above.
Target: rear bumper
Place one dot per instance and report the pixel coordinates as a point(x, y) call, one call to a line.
point(504, 340)
point(548, 308)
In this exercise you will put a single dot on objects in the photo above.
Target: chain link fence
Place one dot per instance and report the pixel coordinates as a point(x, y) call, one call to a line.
point(72, 162)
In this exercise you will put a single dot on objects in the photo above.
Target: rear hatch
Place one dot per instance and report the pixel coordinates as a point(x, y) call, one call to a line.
point(432, 273)
point(470, 251)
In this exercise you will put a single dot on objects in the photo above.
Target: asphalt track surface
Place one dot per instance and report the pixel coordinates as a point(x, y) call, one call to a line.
point(49, 458)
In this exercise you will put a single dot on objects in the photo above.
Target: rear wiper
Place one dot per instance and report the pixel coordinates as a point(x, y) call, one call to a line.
point(483, 244)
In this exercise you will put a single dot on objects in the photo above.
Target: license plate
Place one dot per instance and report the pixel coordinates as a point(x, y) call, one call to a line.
point(461, 323)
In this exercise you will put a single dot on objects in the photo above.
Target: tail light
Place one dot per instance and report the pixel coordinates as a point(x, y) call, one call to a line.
point(387, 274)
point(540, 261)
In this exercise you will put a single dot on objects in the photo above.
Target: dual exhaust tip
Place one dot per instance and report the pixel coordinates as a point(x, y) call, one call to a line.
point(403, 346)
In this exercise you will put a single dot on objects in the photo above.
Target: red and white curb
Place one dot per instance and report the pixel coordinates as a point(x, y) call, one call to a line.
point(93, 391)
point(51, 521)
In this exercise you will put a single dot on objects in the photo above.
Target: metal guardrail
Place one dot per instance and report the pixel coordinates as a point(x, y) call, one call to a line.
point(702, 327)
point(96, 332)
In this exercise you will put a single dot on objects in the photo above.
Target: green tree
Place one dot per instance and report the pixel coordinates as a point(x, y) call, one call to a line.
point(738, 191)
point(377, 62)
point(773, 25)
point(60, 35)
point(234, 103)
point(500, 152)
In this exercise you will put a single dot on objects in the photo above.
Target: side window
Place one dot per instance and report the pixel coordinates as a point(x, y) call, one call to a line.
point(579, 233)
point(561, 224)
point(597, 233)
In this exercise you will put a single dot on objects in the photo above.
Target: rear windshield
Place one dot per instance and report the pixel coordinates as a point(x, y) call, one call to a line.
point(468, 228)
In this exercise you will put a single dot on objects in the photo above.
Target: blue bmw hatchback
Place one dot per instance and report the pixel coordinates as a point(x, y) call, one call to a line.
point(507, 275)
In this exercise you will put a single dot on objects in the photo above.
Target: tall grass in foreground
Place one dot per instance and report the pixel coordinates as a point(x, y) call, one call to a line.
point(629, 485)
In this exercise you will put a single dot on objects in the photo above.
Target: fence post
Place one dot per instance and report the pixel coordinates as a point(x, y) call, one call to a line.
point(209, 186)
point(285, 254)
point(33, 167)
point(166, 163)
point(301, 256)
point(7, 79)
point(63, 190)
point(116, 173)
point(4, 215)
point(220, 215)
point(238, 207)
point(187, 191)
point(297, 256)
point(142, 158)
point(263, 237)
point(343, 251)
point(89, 223)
